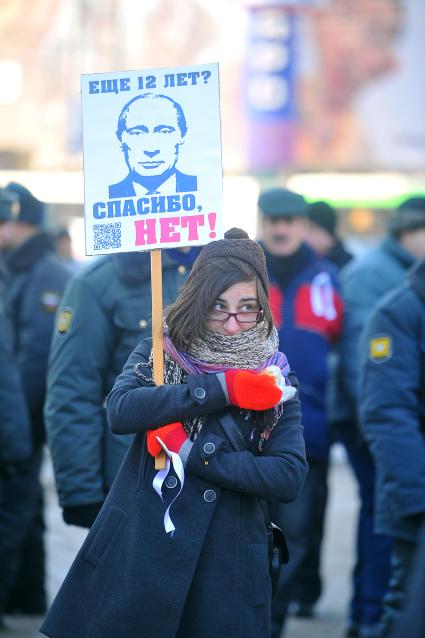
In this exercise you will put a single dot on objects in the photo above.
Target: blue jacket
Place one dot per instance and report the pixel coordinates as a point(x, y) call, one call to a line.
point(15, 439)
point(363, 282)
point(393, 404)
point(105, 311)
point(33, 290)
point(211, 579)
point(309, 323)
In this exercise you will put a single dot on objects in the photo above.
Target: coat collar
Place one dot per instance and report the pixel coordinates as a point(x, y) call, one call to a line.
point(416, 279)
point(396, 250)
point(24, 256)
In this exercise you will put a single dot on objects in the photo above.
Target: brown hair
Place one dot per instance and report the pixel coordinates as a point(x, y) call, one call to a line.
point(187, 317)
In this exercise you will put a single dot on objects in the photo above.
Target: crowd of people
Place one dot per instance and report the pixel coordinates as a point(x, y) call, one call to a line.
point(256, 334)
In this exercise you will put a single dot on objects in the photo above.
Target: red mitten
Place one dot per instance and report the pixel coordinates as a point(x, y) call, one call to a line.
point(253, 390)
point(173, 435)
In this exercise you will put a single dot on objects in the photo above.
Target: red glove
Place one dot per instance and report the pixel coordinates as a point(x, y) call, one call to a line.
point(253, 390)
point(173, 435)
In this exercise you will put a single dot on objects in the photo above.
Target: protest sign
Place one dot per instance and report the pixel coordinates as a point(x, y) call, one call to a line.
point(152, 159)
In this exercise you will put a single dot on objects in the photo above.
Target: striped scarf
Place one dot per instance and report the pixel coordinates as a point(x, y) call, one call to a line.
point(213, 353)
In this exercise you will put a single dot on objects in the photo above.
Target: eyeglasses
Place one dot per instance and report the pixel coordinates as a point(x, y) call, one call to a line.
point(241, 317)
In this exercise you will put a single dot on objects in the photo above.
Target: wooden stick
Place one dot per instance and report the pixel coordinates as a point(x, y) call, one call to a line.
point(158, 352)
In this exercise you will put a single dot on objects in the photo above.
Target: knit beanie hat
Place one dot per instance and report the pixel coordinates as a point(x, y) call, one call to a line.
point(323, 215)
point(410, 215)
point(238, 245)
point(9, 205)
point(281, 202)
point(31, 209)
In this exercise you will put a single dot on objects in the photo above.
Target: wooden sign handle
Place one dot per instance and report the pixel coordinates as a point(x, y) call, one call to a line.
point(158, 351)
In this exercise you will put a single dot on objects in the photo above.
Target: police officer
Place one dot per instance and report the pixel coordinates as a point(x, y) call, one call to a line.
point(393, 421)
point(364, 282)
point(33, 288)
point(104, 313)
point(15, 441)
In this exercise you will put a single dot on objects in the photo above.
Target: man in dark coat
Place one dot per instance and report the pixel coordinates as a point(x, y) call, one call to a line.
point(15, 438)
point(322, 237)
point(393, 422)
point(15, 451)
point(322, 234)
point(364, 282)
point(34, 286)
point(412, 621)
point(308, 314)
point(104, 313)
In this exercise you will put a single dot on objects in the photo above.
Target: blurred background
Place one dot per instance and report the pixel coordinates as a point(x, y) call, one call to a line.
point(323, 96)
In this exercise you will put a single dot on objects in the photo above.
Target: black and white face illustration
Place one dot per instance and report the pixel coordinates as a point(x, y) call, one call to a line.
point(151, 135)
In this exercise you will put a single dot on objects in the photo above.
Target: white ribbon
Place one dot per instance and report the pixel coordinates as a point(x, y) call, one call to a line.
point(288, 392)
point(322, 297)
point(159, 481)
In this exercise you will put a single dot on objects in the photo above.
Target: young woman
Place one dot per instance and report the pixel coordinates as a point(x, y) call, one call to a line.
point(183, 552)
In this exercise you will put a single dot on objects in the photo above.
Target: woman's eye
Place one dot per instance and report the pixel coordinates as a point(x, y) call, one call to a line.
point(218, 306)
point(249, 307)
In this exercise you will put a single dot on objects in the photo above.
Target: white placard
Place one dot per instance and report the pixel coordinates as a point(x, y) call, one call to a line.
point(152, 159)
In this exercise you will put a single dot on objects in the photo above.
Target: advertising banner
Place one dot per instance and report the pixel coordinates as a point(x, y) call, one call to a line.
point(338, 85)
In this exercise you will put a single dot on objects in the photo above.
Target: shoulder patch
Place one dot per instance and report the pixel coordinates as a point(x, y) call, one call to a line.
point(64, 322)
point(380, 348)
point(50, 300)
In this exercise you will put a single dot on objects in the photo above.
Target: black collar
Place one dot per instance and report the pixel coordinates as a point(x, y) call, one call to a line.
point(284, 269)
point(24, 256)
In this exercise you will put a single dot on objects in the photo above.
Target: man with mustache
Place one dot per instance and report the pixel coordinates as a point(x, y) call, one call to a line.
point(307, 311)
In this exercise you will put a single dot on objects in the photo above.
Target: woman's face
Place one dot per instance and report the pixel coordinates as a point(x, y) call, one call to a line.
point(240, 298)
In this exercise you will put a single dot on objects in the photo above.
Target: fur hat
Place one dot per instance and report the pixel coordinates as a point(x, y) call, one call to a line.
point(410, 215)
point(31, 209)
point(236, 244)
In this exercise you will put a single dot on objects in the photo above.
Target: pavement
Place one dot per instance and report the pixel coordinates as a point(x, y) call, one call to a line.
point(63, 542)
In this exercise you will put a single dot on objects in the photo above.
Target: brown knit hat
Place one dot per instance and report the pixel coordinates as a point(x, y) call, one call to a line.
point(238, 245)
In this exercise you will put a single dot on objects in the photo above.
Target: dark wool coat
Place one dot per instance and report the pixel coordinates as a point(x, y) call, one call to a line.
point(132, 580)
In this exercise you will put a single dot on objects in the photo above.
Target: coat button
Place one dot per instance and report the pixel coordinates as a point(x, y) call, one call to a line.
point(143, 323)
point(182, 270)
point(171, 482)
point(199, 393)
point(209, 448)
point(210, 496)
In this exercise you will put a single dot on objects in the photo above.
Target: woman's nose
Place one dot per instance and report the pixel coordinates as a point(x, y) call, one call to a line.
point(231, 326)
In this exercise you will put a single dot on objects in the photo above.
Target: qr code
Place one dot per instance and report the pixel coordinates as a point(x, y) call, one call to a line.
point(107, 236)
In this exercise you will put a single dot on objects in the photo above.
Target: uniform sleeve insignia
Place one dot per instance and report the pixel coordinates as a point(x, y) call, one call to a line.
point(380, 348)
point(63, 322)
point(50, 300)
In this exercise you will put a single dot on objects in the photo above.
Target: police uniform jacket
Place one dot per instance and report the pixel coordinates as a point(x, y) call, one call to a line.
point(393, 405)
point(211, 577)
point(364, 281)
point(105, 311)
point(15, 440)
point(35, 284)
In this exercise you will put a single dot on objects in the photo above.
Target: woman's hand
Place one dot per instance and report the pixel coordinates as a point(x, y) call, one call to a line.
point(257, 390)
point(173, 435)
